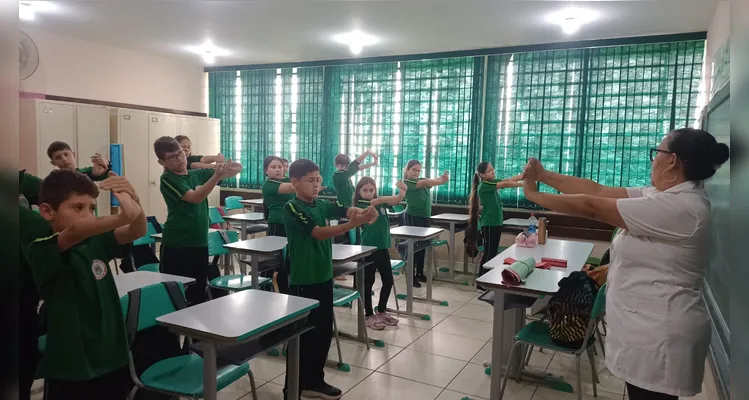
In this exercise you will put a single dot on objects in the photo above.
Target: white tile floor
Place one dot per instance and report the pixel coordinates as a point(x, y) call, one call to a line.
point(427, 360)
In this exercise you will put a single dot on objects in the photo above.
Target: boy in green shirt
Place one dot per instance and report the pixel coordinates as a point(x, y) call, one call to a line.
point(285, 164)
point(61, 156)
point(86, 356)
point(310, 250)
point(345, 169)
point(184, 241)
point(195, 161)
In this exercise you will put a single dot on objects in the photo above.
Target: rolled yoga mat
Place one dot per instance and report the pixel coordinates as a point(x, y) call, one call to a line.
point(518, 271)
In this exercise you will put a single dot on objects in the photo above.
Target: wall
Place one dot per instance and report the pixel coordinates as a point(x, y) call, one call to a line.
point(76, 68)
point(717, 35)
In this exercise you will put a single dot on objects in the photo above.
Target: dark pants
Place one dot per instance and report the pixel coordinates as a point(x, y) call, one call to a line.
point(114, 385)
point(28, 333)
point(381, 263)
point(419, 256)
point(283, 273)
point(491, 236)
point(636, 393)
point(314, 344)
point(191, 262)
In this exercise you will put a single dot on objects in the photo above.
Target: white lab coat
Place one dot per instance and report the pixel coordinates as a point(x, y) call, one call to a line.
point(658, 325)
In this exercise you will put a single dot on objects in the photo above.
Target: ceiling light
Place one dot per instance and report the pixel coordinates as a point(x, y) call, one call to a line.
point(208, 51)
point(571, 19)
point(356, 40)
point(27, 9)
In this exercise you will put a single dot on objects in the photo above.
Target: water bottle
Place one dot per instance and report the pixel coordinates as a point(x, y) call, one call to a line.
point(532, 224)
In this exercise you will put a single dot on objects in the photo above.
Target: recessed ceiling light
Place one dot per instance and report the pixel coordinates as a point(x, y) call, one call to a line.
point(356, 40)
point(571, 19)
point(27, 9)
point(208, 51)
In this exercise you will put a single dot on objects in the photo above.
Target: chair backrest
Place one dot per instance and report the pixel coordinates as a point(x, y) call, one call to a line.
point(214, 216)
point(352, 236)
point(599, 307)
point(146, 239)
point(397, 208)
point(154, 301)
point(216, 244)
point(232, 203)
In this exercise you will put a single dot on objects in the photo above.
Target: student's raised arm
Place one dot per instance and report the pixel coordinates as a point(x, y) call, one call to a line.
point(429, 183)
point(375, 160)
point(83, 229)
point(392, 200)
point(138, 226)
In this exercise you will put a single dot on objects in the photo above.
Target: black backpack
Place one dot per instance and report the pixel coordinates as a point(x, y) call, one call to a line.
point(570, 308)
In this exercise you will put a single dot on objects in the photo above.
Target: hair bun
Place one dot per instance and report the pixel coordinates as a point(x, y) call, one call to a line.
point(720, 154)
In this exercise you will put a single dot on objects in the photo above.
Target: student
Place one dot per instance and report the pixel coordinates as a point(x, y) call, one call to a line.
point(310, 248)
point(484, 194)
point(184, 248)
point(31, 225)
point(63, 157)
point(276, 193)
point(198, 162)
point(345, 169)
point(86, 356)
point(419, 207)
point(285, 163)
point(377, 235)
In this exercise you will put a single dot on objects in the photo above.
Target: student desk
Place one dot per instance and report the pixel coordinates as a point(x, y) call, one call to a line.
point(343, 255)
point(516, 224)
point(576, 254)
point(411, 235)
point(241, 318)
point(453, 220)
point(252, 203)
point(243, 219)
point(262, 246)
point(139, 279)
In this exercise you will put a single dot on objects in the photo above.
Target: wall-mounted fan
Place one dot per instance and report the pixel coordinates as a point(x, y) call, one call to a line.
point(28, 56)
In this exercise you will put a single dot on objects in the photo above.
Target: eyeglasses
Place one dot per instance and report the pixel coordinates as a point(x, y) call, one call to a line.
point(654, 153)
point(176, 156)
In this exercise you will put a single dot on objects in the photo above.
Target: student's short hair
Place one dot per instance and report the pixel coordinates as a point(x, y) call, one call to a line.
point(283, 160)
point(342, 159)
point(268, 160)
point(180, 138)
point(164, 145)
point(301, 167)
point(60, 184)
point(54, 147)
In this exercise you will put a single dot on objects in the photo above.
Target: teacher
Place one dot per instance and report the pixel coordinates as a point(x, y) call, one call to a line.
point(658, 325)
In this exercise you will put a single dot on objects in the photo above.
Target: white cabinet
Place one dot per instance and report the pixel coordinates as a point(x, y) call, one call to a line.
point(83, 127)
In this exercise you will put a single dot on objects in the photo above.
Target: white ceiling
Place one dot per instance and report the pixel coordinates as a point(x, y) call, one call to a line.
point(271, 31)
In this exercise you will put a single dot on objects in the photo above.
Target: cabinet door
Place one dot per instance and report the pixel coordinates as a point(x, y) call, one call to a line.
point(54, 122)
point(137, 152)
point(92, 134)
point(158, 125)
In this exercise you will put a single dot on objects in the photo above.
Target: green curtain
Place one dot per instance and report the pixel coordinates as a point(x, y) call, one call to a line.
point(221, 104)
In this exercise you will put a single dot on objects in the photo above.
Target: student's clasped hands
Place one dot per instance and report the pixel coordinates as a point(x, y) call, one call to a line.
point(532, 174)
point(125, 194)
point(364, 216)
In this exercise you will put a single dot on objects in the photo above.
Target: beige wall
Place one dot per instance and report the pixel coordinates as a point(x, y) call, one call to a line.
point(76, 68)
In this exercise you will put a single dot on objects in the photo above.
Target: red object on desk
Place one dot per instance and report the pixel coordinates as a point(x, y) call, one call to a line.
point(555, 262)
point(541, 265)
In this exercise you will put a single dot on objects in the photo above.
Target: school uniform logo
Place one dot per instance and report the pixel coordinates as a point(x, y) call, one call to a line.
point(99, 269)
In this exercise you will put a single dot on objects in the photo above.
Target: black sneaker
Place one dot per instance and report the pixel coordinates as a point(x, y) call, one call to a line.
point(323, 391)
point(421, 278)
point(416, 282)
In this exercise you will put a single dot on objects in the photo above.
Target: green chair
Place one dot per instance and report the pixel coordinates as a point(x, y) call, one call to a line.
point(344, 298)
point(232, 203)
point(397, 266)
point(214, 217)
point(180, 376)
point(536, 333)
point(146, 239)
point(150, 267)
point(229, 283)
point(595, 261)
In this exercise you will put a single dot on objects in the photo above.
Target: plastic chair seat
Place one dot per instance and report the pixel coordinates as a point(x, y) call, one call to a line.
point(593, 261)
point(145, 240)
point(396, 265)
point(537, 334)
point(149, 267)
point(184, 375)
point(237, 283)
point(438, 242)
point(344, 297)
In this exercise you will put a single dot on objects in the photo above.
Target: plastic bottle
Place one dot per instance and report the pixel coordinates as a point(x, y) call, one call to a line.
point(532, 224)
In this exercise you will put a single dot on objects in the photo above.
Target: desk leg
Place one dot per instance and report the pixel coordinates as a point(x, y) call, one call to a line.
point(293, 369)
point(452, 250)
point(255, 262)
point(498, 356)
point(243, 225)
point(410, 276)
point(209, 371)
point(360, 288)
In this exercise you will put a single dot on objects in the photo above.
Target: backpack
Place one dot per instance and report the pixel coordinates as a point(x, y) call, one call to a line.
point(570, 308)
point(154, 344)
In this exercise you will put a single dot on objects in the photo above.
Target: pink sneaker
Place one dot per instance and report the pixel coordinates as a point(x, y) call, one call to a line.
point(374, 323)
point(386, 318)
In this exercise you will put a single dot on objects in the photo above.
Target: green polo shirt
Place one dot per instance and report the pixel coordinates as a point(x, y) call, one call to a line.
point(192, 159)
point(89, 171)
point(186, 223)
point(491, 213)
point(29, 186)
point(343, 185)
point(418, 200)
point(286, 179)
point(273, 201)
point(86, 335)
point(311, 259)
point(377, 234)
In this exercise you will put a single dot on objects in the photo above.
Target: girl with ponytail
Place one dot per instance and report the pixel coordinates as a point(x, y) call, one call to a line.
point(484, 195)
